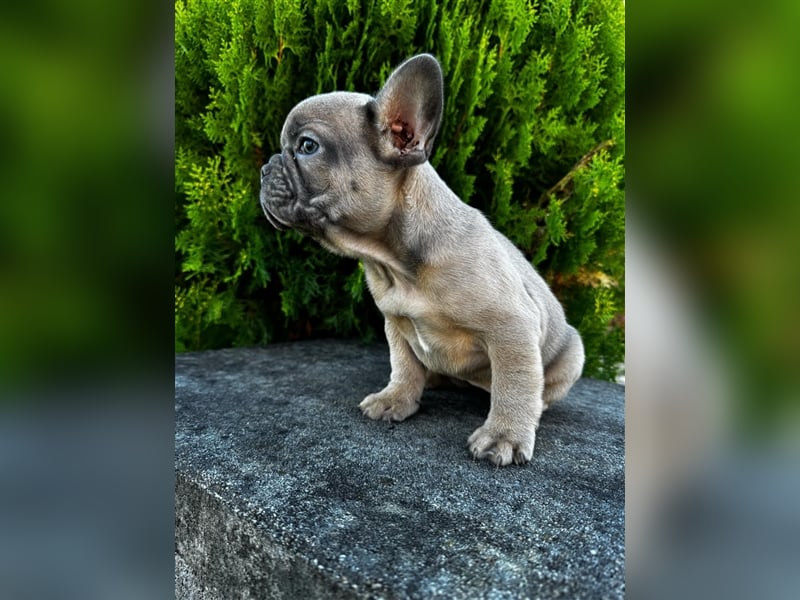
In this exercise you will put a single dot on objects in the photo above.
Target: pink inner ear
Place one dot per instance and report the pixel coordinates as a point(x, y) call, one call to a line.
point(402, 133)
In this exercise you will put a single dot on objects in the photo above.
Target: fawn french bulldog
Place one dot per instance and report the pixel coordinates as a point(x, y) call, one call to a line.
point(459, 300)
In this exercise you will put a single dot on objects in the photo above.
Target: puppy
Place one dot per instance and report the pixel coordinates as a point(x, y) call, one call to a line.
point(459, 300)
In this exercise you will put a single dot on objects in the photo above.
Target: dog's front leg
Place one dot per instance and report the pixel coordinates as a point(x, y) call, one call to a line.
point(400, 398)
point(509, 432)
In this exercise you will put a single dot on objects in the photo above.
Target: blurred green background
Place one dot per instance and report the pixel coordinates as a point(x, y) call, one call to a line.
point(714, 168)
point(85, 228)
point(713, 406)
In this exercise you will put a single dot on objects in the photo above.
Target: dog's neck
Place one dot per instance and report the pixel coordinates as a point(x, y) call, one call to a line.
point(367, 249)
point(405, 242)
point(426, 201)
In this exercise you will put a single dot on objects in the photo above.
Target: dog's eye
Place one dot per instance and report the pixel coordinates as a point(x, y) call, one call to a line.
point(307, 146)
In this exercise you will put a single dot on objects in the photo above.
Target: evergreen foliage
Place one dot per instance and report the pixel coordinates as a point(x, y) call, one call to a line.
point(532, 135)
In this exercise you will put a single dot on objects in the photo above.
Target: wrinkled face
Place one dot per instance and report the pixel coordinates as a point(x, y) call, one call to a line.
point(344, 155)
point(327, 172)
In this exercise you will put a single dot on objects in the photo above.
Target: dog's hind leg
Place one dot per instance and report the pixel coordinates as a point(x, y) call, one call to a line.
point(564, 370)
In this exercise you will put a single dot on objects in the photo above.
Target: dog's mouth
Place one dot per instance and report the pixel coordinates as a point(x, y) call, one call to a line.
point(274, 220)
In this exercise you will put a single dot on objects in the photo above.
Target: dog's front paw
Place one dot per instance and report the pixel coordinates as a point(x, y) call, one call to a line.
point(501, 445)
point(390, 404)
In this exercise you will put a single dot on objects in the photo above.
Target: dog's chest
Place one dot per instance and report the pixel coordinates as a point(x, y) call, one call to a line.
point(423, 321)
point(445, 349)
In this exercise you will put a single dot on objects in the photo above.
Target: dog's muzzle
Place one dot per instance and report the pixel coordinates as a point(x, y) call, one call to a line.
point(277, 194)
point(286, 201)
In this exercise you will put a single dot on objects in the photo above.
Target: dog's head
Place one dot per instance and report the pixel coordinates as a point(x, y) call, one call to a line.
point(343, 154)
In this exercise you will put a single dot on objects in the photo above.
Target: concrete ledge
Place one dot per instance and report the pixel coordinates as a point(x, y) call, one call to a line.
point(284, 490)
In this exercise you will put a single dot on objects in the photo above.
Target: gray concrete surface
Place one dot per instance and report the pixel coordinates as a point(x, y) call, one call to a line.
point(284, 490)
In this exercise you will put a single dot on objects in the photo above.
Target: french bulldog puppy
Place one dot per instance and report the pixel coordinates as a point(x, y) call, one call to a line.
point(459, 300)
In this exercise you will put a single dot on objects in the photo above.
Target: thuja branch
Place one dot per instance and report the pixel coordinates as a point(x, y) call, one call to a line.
point(567, 179)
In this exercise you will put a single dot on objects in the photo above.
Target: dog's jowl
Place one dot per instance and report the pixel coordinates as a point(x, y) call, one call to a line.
point(458, 298)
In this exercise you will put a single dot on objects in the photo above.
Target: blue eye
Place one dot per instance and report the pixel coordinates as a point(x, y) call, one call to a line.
point(307, 146)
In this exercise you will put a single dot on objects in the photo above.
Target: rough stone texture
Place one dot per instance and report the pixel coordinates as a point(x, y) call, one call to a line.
point(284, 490)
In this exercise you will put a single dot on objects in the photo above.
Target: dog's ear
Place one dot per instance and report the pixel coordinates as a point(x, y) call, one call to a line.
point(408, 111)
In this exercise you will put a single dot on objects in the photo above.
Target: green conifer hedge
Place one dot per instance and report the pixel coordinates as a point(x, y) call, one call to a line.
point(532, 135)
